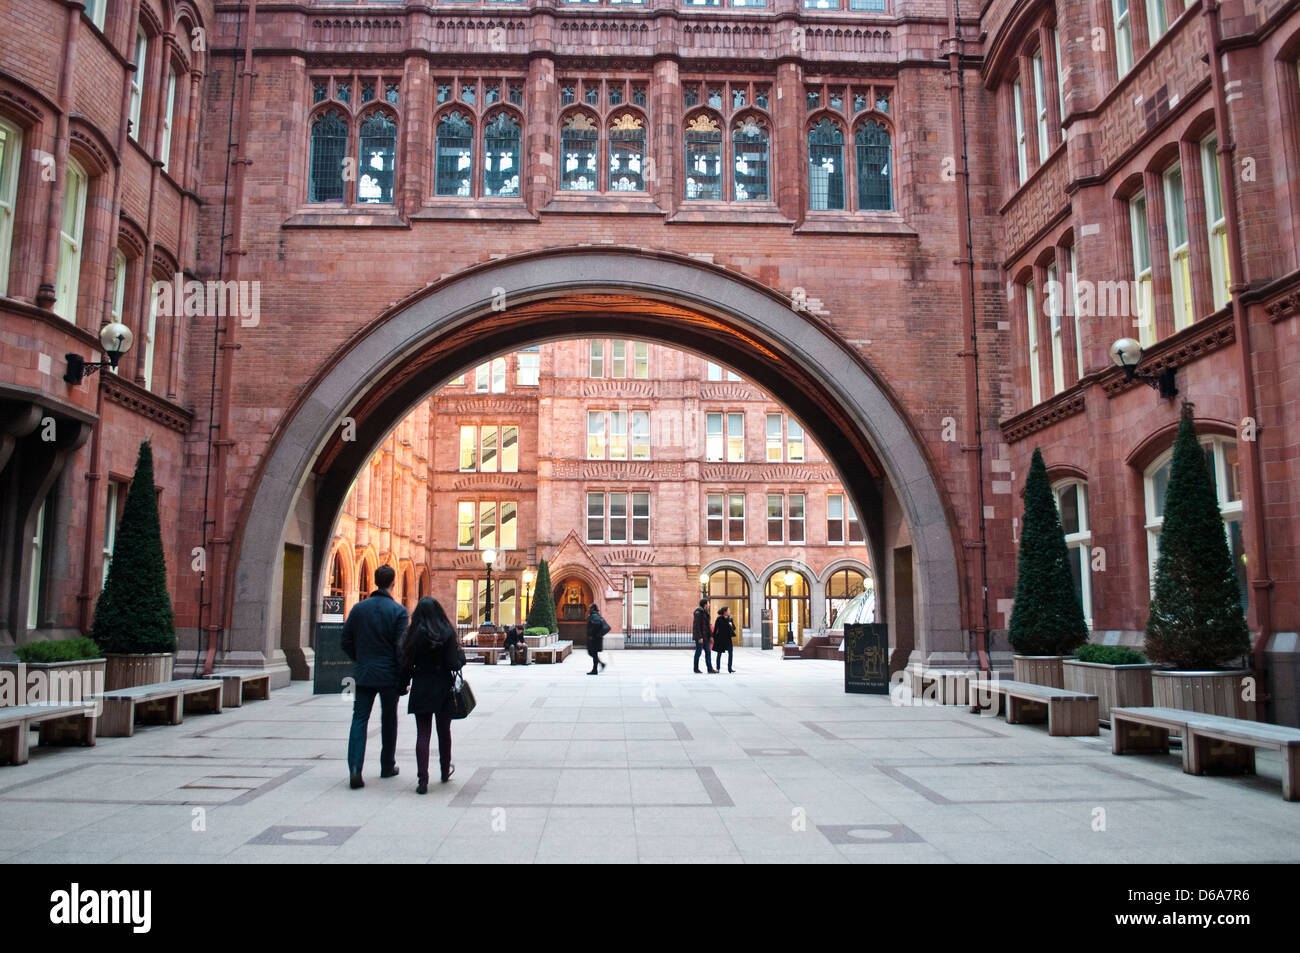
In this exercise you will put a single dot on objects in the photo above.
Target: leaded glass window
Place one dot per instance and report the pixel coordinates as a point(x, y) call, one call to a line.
point(578, 144)
point(750, 149)
point(638, 96)
point(492, 93)
point(468, 92)
point(874, 172)
point(691, 96)
point(444, 92)
point(390, 93)
point(455, 155)
point(627, 154)
point(616, 94)
point(317, 92)
point(591, 92)
point(567, 94)
point(760, 97)
point(715, 98)
point(517, 93)
point(367, 92)
point(343, 91)
point(703, 159)
point(502, 163)
point(378, 159)
point(826, 166)
point(329, 146)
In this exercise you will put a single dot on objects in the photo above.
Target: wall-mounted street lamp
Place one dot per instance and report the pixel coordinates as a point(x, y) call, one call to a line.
point(115, 338)
point(704, 585)
point(1126, 353)
point(489, 557)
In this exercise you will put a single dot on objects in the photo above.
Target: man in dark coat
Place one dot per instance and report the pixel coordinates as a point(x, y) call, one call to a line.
point(596, 629)
point(371, 638)
point(702, 633)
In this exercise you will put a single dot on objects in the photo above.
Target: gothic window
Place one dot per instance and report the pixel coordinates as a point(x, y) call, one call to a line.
point(874, 174)
point(455, 155)
point(627, 154)
point(502, 156)
point(578, 147)
point(329, 146)
point(750, 152)
point(826, 165)
point(378, 158)
point(703, 159)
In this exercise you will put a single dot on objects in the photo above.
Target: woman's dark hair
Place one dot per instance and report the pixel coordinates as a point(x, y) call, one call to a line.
point(725, 610)
point(429, 627)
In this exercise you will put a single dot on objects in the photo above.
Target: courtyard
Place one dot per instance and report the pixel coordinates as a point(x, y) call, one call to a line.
point(646, 763)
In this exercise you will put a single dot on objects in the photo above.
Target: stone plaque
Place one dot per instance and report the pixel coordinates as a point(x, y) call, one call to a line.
point(332, 665)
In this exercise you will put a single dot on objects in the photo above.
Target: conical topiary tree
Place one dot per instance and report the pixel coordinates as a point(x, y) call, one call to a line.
point(1196, 621)
point(1047, 618)
point(134, 612)
point(542, 611)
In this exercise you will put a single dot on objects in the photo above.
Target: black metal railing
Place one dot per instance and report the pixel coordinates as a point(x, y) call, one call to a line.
point(658, 637)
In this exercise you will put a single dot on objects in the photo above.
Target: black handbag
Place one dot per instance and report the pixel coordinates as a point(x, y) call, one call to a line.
point(462, 697)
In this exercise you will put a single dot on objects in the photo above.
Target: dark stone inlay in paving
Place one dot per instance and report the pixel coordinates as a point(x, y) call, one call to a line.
point(665, 702)
point(776, 752)
point(870, 834)
point(683, 733)
point(818, 729)
point(283, 835)
point(1166, 793)
point(713, 785)
point(516, 732)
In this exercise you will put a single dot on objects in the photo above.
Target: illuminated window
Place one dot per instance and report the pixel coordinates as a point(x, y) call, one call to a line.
point(1072, 504)
point(73, 221)
point(1179, 259)
point(1221, 276)
point(1144, 306)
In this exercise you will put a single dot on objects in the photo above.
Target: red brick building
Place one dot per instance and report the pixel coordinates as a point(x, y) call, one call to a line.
point(634, 469)
point(920, 235)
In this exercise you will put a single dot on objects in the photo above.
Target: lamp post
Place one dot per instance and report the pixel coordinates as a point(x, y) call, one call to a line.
point(789, 579)
point(528, 588)
point(115, 338)
point(704, 585)
point(489, 557)
point(1127, 353)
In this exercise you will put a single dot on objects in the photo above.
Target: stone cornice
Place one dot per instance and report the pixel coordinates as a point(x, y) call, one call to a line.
point(1182, 349)
point(1063, 405)
point(128, 394)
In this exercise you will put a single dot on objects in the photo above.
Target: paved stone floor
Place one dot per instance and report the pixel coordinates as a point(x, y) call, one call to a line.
point(646, 762)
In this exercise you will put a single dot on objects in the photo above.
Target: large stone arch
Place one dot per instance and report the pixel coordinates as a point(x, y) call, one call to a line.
point(389, 366)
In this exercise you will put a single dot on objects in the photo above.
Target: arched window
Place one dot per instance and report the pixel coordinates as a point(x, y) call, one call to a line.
point(749, 141)
point(826, 166)
point(73, 221)
point(336, 575)
point(1072, 504)
point(365, 581)
point(501, 156)
point(454, 148)
point(788, 606)
point(169, 109)
point(148, 340)
point(11, 151)
point(137, 79)
point(875, 191)
point(1225, 472)
point(378, 141)
point(329, 146)
point(703, 159)
point(729, 588)
point(578, 148)
point(842, 586)
point(627, 154)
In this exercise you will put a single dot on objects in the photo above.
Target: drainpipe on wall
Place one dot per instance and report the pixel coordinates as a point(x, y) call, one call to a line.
point(1261, 583)
point(221, 539)
point(974, 446)
point(45, 291)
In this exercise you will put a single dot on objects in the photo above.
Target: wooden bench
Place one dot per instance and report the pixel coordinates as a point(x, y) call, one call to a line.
point(162, 703)
point(1066, 712)
point(488, 654)
point(239, 687)
point(940, 686)
point(1210, 742)
point(551, 654)
point(53, 723)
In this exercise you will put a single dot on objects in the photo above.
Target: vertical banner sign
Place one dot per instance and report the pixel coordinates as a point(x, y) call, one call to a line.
point(866, 658)
point(332, 666)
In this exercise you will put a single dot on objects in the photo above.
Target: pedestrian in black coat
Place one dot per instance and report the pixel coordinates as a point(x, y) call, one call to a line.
point(371, 636)
point(596, 629)
point(724, 631)
point(431, 657)
point(702, 635)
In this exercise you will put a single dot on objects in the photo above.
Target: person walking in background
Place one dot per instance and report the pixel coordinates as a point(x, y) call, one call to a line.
point(700, 630)
point(596, 629)
point(371, 637)
point(724, 631)
point(431, 656)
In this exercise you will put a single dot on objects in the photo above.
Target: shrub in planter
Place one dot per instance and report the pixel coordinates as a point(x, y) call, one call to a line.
point(134, 613)
point(541, 614)
point(537, 630)
point(60, 650)
point(1196, 619)
point(1109, 655)
point(1047, 618)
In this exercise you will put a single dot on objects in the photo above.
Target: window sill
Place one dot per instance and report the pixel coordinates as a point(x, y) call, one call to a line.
point(313, 216)
point(473, 210)
point(855, 223)
point(692, 212)
point(595, 203)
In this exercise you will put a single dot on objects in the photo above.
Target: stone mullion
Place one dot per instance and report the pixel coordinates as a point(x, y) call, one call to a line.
point(1198, 236)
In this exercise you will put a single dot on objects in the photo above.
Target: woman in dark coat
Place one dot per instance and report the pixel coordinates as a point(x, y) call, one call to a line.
point(431, 655)
point(596, 629)
point(724, 630)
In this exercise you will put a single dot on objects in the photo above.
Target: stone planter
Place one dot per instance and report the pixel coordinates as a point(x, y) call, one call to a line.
point(1116, 686)
point(1211, 693)
point(70, 681)
point(128, 671)
point(1039, 670)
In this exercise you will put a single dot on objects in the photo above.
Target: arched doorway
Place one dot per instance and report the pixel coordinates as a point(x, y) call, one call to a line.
point(573, 596)
point(456, 323)
point(729, 587)
point(789, 604)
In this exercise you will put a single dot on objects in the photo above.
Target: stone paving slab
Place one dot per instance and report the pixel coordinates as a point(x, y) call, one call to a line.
point(645, 763)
